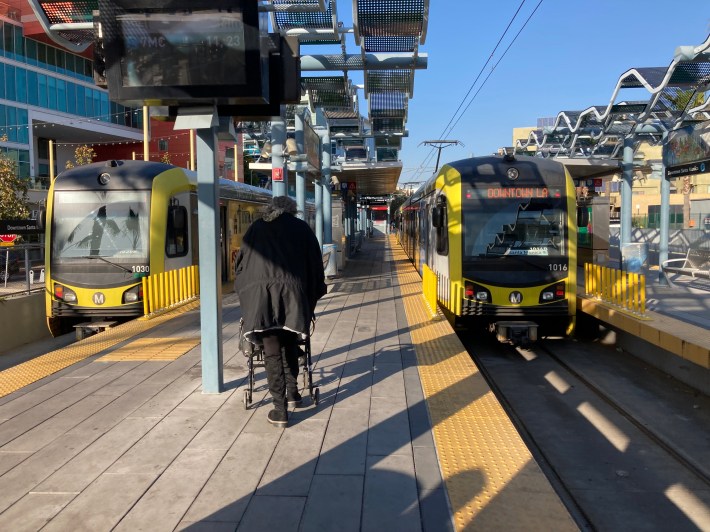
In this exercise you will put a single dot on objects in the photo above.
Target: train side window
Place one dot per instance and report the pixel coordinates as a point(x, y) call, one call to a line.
point(176, 239)
point(441, 223)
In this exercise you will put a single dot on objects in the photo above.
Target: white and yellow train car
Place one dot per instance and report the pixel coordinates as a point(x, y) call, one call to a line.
point(110, 224)
point(500, 235)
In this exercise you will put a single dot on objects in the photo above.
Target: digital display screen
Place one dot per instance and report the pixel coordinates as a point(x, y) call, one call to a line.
point(520, 192)
point(182, 49)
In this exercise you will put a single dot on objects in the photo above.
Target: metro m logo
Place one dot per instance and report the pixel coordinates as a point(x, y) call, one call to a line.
point(515, 298)
point(98, 298)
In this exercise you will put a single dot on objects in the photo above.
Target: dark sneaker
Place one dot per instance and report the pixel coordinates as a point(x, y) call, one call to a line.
point(278, 418)
point(293, 399)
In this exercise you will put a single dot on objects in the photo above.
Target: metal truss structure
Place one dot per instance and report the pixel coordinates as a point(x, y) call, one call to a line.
point(599, 131)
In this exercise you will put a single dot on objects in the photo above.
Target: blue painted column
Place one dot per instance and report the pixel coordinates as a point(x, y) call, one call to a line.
point(327, 194)
point(319, 211)
point(627, 169)
point(665, 219)
point(278, 140)
point(210, 263)
point(300, 176)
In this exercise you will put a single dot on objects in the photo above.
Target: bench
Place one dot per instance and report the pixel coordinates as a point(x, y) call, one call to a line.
point(695, 264)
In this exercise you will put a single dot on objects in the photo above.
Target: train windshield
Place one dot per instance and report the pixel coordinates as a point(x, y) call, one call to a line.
point(110, 225)
point(523, 233)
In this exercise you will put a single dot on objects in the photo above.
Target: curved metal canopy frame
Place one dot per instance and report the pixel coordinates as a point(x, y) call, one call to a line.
point(599, 131)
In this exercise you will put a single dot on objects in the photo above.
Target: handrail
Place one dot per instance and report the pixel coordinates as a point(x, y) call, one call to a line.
point(166, 290)
point(429, 284)
point(617, 287)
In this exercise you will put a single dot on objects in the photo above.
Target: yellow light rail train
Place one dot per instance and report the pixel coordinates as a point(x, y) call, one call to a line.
point(500, 235)
point(110, 224)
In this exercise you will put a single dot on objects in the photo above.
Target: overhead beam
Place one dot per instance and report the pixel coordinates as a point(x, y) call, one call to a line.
point(380, 61)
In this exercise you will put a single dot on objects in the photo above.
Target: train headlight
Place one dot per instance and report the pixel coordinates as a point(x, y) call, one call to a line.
point(476, 292)
point(134, 294)
point(65, 294)
point(554, 292)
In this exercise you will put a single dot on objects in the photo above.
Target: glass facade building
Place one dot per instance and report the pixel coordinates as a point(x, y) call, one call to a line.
point(36, 76)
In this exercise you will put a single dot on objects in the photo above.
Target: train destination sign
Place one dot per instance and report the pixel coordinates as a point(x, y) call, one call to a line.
point(510, 192)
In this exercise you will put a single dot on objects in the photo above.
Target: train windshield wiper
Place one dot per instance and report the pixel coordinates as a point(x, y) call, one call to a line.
point(99, 257)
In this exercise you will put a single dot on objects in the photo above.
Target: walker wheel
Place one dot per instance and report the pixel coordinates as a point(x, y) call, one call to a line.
point(246, 399)
point(316, 395)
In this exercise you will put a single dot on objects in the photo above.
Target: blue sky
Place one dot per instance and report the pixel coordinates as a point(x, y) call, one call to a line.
point(569, 56)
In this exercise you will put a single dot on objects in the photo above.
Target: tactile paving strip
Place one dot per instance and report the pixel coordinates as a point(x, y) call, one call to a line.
point(492, 480)
point(12, 379)
point(148, 349)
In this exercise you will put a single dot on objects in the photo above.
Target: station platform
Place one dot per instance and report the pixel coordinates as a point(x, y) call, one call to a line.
point(114, 433)
point(673, 334)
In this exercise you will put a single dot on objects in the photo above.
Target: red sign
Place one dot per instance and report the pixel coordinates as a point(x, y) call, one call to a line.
point(277, 174)
point(8, 238)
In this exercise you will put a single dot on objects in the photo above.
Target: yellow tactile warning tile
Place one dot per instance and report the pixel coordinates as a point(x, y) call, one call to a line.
point(148, 349)
point(683, 339)
point(14, 378)
point(491, 478)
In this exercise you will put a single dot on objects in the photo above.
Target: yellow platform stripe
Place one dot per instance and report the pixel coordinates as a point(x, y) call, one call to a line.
point(12, 379)
point(151, 349)
point(491, 478)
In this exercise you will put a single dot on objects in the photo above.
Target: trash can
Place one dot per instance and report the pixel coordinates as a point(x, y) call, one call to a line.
point(330, 252)
point(634, 256)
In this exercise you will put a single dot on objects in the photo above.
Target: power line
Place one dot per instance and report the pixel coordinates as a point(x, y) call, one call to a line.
point(463, 100)
point(496, 65)
point(428, 158)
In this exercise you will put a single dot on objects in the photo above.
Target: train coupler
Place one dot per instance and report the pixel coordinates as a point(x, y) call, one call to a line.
point(516, 332)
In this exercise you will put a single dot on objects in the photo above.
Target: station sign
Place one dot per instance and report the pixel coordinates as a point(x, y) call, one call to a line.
point(19, 227)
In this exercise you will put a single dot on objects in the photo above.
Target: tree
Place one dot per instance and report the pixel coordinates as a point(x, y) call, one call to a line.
point(683, 100)
point(13, 190)
point(82, 155)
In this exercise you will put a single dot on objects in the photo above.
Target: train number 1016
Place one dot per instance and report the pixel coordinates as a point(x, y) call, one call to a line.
point(557, 267)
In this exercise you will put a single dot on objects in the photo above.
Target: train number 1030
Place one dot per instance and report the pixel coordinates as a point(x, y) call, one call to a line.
point(557, 267)
point(144, 268)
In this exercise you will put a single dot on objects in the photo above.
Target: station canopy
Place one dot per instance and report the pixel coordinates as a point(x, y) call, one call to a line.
point(387, 33)
point(677, 96)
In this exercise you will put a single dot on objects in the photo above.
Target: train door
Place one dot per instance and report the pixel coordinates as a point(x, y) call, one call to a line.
point(440, 245)
point(424, 214)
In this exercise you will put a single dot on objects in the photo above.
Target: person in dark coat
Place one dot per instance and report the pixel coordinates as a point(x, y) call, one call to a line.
point(279, 279)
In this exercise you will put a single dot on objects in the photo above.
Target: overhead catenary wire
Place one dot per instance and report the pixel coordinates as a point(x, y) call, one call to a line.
point(496, 65)
point(450, 127)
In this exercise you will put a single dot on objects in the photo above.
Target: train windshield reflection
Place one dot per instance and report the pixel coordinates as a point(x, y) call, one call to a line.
point(511, 228)
point(101, 224)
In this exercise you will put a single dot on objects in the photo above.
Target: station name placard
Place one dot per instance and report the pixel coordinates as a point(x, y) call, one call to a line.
point(20, 227)
point(699, 167)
